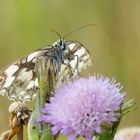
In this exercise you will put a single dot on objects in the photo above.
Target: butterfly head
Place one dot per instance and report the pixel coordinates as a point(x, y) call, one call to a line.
point(60, 43)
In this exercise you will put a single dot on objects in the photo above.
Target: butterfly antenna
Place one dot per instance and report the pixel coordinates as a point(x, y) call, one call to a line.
point(77, 29)
point(52, 30)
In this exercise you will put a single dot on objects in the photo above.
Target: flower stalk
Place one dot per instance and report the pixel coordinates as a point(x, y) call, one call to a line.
point(46, 81)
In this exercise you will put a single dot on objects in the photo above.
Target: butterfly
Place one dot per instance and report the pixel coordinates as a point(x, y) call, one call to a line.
point(19, 81)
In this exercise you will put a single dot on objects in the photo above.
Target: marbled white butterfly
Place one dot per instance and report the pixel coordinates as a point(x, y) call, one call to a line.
point(19, 81)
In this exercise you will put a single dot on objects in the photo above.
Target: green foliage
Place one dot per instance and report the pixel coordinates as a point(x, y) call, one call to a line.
point(32, 125)
point(110, 131)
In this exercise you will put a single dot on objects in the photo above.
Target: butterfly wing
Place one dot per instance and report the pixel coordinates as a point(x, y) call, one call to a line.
point(18, 81)
point(79, 58)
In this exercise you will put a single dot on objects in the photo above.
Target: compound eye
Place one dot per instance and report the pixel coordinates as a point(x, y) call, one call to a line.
point(60, 43)
point(64, 47)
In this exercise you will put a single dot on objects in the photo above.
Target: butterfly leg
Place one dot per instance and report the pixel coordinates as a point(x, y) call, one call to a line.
point(77, 64)
point(70, 68)
point(77, 60)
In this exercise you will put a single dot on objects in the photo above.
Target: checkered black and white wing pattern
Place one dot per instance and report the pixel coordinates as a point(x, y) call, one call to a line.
point(79, 58)
point(18, 81)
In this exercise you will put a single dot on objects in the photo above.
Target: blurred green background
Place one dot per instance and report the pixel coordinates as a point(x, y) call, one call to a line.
point(114, 42)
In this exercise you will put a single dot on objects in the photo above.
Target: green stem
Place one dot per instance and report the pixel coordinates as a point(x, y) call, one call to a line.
point(46, 80)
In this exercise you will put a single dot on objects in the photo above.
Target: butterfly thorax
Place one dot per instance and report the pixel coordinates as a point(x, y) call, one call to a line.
point(57, 52)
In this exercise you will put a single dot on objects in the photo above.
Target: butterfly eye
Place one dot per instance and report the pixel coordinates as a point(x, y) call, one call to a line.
point(60, 43)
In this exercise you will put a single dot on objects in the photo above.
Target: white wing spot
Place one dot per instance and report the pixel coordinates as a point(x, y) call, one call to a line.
point(32, 55)
point(73, 63)
point(23, 60)
point(8, 81)
point(71, 46)
point(36, 82)
point(30, 85)
point(80, 52)
point(11, 70)
point(24, 75)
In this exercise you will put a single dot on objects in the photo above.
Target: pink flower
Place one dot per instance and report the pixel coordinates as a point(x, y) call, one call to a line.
point(83, 106)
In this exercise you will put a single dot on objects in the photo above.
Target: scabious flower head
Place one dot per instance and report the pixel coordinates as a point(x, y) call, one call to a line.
point(82, 106)
point(130, 133)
